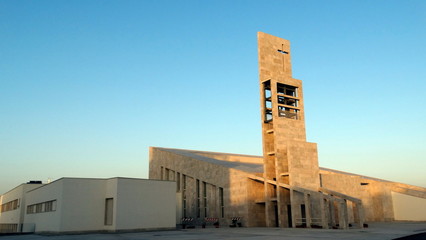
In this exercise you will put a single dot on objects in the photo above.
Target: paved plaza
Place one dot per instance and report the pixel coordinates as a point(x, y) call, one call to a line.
point(376, 231)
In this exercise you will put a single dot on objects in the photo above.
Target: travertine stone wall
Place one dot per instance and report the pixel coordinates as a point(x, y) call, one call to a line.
point(255, 204)
point(303, 159)
point(376, 194)
point(233, 182)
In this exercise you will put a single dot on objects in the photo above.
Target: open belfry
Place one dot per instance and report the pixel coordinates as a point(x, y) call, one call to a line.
point(285, 187)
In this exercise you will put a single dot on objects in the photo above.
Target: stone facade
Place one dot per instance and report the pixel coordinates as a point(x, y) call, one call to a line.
point(376, 194)
point(207, 187)
point(240, 177)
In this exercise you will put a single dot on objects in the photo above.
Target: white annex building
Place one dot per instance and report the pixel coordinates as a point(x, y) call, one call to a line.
point(70, 205)
point(12, 205)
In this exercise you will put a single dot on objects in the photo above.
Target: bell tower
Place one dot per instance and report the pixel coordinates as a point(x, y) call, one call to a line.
point(287, 158)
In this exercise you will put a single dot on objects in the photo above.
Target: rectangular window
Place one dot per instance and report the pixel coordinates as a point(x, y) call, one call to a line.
point(39, 208)
point(109, 207)
point(162, 174)
point(8, 228)
point(48, 206)
point(222, 207)
point(9, 206)
point(29, 209)
point(15, 204)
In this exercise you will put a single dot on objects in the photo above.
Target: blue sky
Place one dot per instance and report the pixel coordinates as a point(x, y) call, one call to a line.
point(88, 86)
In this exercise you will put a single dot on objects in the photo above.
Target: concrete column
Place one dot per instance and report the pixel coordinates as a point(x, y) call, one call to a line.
point(283, 201)
point(279, 205)
point(360, 211)
point(307, 201)
point(350, 210)
point(343, 214)
point(324, 220)
point(345, 210)
point(332, 212)
point(269, 205)
point(293, 208)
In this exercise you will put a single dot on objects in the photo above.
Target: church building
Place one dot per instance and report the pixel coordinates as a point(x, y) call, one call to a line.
point(285, 187)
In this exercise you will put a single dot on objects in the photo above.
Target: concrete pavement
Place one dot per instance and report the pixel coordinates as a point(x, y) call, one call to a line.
point(376, 231)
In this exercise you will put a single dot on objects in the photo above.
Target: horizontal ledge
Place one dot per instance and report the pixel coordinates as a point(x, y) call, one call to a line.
point(288, 96)
point(289, 106)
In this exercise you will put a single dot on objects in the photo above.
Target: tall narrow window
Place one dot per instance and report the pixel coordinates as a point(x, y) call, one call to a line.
point(198, 198)
point(205, 198)
point(167, 174)
point(172, 175)
point(109, 206)
point(178, 182)
point(267, 101)
point(222, 206)
point(303, 211)
point(184, 195)
point(162, 173)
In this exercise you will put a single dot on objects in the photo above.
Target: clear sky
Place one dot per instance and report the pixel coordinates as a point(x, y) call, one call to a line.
point(87, 86)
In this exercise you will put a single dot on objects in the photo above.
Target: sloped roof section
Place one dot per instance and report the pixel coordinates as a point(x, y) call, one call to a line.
point(254, 164)
point(222, 159)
